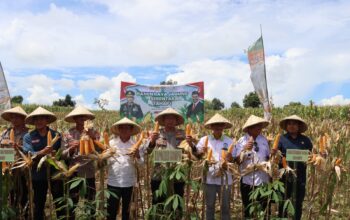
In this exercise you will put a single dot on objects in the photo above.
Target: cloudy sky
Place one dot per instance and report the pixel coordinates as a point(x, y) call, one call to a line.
point(86, 47)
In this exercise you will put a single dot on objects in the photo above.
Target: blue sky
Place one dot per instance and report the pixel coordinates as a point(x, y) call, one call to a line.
point(86, 47)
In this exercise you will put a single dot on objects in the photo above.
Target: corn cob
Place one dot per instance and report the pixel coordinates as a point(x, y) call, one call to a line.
point(321, 144)
point(156, 127)
point(49, 138)
point(338, 161)
point(206, 140)
point(12, 135)
point(188, 130)
point(223, 154)
point(210, 153)
point(87, 147)
point(275, 143)
point(106, 138)
point(81, 147)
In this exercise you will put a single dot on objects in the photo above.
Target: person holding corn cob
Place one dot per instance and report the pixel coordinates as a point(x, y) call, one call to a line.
point(37, 142)
point(294, 139)
point(122, 174)
point(13, 137)
point(168, 137)
point(218, 178)
point(74, 155)
point(252, 148)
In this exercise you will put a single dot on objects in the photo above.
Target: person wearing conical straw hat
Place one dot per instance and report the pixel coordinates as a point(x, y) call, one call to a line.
point(71, 143)
point(16, 116)
point(35, 142)
point(169, 137)
point(294, 139)
point(217, 142)
point(122, 174)
point(252, 148)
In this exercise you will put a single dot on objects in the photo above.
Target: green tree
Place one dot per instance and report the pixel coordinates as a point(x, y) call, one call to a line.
point(18, 99)
point(67, 101)
point(293, 104)
point(235, 105)
point(251, 100)
point(217, 104)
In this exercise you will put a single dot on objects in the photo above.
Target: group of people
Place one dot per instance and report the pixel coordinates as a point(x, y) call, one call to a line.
point(252, 148)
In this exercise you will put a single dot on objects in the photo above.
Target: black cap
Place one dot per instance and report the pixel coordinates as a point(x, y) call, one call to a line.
point(129, 92)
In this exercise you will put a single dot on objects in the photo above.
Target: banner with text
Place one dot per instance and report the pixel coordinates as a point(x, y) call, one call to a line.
point(142, 103)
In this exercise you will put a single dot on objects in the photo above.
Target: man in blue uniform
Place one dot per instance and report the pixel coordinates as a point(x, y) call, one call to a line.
point(294, 139)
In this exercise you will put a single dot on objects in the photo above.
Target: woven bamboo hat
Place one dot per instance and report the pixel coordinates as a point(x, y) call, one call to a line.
point(254, 120)
point(169, 111)
point(6, 115)
point(79, 111)
point(40, 112)
point(125, 121)
point(302, 124)
point(218, 119)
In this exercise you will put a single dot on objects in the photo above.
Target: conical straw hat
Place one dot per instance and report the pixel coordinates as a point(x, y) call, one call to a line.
point(302, 127)
point(40, 112)
point(6, 115)
point(79, 111)
point(218, 119)
point(254, 120)
point(169, 111)
point(125, 121)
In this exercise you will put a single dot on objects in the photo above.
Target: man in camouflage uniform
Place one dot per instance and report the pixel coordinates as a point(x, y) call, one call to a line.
point(16, 116)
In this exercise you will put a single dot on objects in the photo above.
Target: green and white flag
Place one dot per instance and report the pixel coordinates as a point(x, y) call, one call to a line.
point(256, 59)
point(5, 99)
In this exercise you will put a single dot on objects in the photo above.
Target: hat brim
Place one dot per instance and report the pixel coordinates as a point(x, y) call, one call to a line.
point(160, 118)
point(227, 125)
point(264, 125)
point(50, 119)
point(135, 129)
point(7, 115)
point(302, 125)
point(70, 118)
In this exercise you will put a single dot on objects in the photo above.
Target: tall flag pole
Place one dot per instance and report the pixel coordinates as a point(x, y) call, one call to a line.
point(5, 103)
point(256, 57)
point(5, 99)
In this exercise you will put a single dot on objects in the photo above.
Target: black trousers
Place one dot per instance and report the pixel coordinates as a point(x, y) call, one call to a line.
point(179, 189)
point(124, 194)
point(299, 190)
point(245, 191)
point(40, 191)
point(90, 194)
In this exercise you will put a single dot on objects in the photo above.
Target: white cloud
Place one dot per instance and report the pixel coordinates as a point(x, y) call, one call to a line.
point(112, 93)
point(39, 88)
point(227, 80)
point(95, 83)
point(42, 95)
point(306, 43)
point(335, 100)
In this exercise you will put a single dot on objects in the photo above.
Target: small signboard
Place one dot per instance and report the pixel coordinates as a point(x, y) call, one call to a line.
point(297, 155)
point(167, 155)
point(7, 154)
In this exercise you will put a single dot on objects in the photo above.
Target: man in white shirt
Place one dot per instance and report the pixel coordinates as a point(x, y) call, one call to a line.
point(254, 148)
point(122, 174)
point(217, 142)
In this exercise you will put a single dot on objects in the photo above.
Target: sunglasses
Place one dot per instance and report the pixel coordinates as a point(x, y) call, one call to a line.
point(256, 148)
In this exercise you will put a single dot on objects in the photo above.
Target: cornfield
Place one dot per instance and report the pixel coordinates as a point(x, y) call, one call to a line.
point(328, 184)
